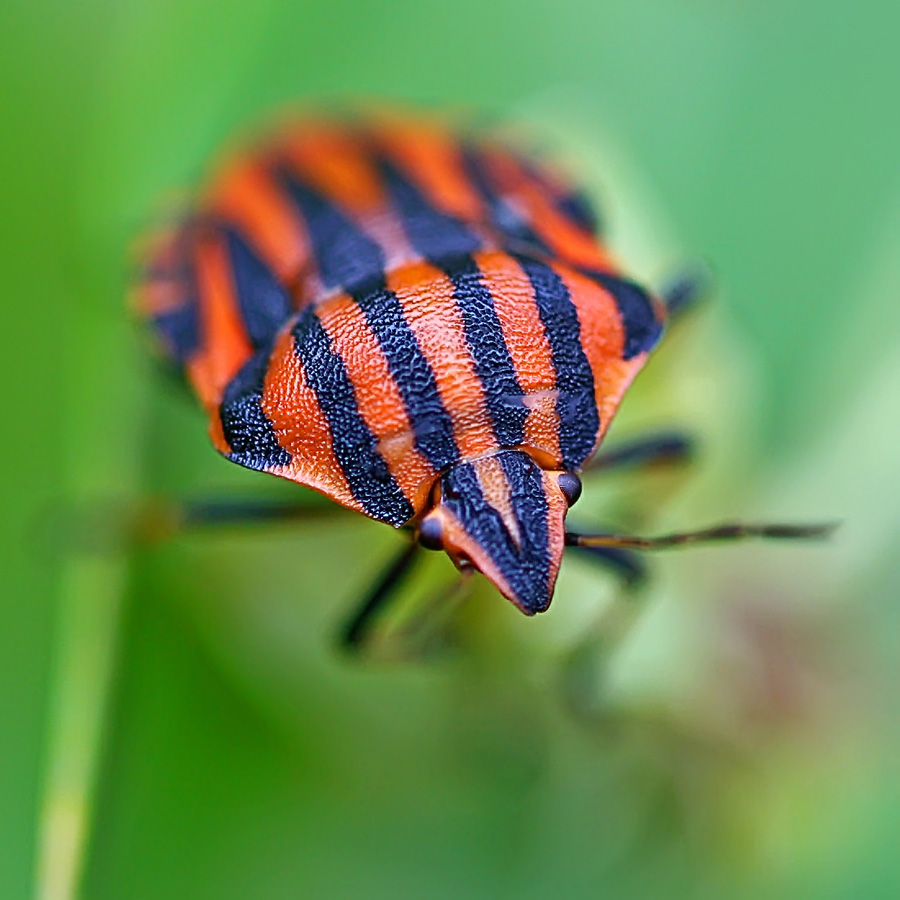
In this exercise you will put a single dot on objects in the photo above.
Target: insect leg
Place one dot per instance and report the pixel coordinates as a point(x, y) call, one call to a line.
point(157, 519)
point(358, 627)
point(107, 524)
point(653, 449)
point(200, 513)
point(429, 632)
point(685, 290)
point(625, 564)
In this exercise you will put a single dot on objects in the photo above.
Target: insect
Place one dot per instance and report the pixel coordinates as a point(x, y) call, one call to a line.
point(423, 326)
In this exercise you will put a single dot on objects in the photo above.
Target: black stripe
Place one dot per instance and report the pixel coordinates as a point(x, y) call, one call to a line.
point(263, 302)
point(642, 328)
point(529, 504)
point(346, 256)
point(435, 234)
point(179, 326)
point(491, 356)
point(577, 408)
point(577, 207)
point(246, 427)
point(504, 217)
point(526, 567)
point(355, 447)
point(180, 329)
point(432, 425)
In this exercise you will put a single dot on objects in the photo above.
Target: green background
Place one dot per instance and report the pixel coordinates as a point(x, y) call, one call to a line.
point(175, 722)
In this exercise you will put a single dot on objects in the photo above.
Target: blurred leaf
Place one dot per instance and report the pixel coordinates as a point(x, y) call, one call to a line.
point(742, 728)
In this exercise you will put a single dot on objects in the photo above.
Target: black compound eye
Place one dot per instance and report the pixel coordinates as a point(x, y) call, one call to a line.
point(431, 533)
point(570, 484)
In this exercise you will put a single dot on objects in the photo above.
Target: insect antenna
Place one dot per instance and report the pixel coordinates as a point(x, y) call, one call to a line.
point(727, 532)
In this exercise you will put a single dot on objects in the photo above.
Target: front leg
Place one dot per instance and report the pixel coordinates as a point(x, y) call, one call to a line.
point(627, 565)
point(158, 519)
point(358, 628)
point(661, 448)
point(425, 633)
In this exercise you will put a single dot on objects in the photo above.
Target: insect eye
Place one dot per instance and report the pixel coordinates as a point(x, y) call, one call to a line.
point(431, 533)
point(570, 484)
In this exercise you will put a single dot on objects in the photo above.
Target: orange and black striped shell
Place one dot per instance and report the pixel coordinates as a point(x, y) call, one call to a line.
point(361, 305)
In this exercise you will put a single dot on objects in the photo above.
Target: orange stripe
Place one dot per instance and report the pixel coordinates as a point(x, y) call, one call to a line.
point(225, 346)
point(528, 346)
point(158, 296)
point(335, 162)
point(432, 159)
point(245, 194)
point(217, 433)
point(161, 287)
point(378, 397)
point(545, 173)
point(426, 295)
point(293, 409)
point(568, 240)
point(602, 337)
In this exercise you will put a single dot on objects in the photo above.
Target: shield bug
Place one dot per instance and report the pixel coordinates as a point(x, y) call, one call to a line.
point(420, 324)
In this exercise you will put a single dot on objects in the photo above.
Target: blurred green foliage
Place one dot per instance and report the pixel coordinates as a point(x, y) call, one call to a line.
point(175, 722)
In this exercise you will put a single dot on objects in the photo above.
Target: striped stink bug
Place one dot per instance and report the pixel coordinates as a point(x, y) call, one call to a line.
point(423, 326)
